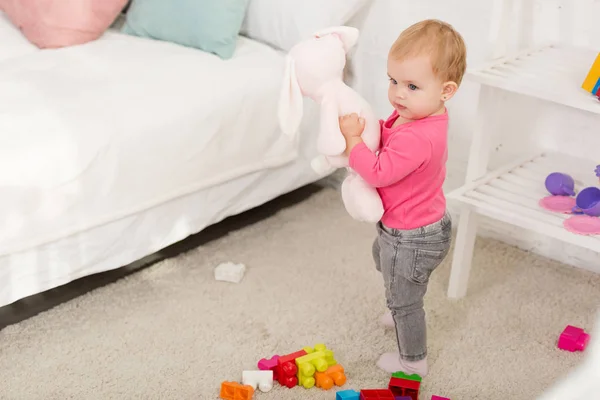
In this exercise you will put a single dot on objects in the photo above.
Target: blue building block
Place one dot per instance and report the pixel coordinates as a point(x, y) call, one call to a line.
point(347, 395)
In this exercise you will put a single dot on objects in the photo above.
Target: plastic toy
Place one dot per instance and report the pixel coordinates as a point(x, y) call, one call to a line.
point(583, 225)
point(559, 184)
point(376, 394)
point(314, 68)
point(402, 384)
point(347, 395)
point(592, 81)
point(308, 365)
point(263, 380)
point(573, 339)
point(287, 369)
point(434, 397)
point(236, 391)
point(321, 347)
point(333, 375)
point(269, 364)
point(588, 200)
point(597, 171)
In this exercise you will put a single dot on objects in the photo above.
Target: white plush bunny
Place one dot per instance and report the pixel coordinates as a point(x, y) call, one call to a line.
point(315, 69)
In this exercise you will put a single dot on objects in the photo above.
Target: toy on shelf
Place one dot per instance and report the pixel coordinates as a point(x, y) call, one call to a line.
point(592, 80)
point(559, 184)
point(236, 391)
point(314, 68)
point(573, 339)
point(588, 200)
point(402, 384)
point(347, 395)
point(263, 380)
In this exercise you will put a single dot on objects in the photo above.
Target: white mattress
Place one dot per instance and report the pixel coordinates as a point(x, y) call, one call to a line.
point(117, 148)
point(97, 132)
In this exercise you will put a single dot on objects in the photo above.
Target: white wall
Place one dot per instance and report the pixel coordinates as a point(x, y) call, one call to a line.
point(521, 124)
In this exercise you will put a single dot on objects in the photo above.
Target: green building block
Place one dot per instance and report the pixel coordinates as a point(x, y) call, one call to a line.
point(402, 375)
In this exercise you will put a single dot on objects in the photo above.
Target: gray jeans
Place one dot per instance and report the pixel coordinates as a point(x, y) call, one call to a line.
point(406, 259)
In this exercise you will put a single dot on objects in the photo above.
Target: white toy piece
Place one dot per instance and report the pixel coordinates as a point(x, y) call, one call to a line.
point(230, 272)
point(315, 69)
point(261, 379)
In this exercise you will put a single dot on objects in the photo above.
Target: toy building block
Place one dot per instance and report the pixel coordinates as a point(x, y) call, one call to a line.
point(236, 391)
point(592, 77)
point(321, 347)
point(573, 339)
point(347, 395)
point(333, 375)
point(308, 365)
point(287, 369)
point(403, 398)
point(265, 364)
point(263, 380)
point(402, 384)
point(376, 394)
point(434, 397)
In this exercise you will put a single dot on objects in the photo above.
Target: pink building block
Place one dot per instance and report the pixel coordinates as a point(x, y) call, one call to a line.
point(434, 397)
point(573, 339)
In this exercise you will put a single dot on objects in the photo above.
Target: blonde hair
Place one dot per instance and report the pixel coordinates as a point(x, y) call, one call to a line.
point(439, 39)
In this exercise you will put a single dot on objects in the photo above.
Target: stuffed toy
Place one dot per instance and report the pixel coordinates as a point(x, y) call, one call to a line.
point(314, 68)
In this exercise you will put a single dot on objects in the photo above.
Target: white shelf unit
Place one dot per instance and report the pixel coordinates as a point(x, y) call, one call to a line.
point(511, 193)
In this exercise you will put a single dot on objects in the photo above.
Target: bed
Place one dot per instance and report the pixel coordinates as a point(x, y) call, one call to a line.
point(116, 149)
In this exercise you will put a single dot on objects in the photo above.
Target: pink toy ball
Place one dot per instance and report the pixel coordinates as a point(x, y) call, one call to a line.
point(573, 339)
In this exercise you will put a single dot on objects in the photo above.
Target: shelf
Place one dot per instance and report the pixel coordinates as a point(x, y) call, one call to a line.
point(552, 73)
point(511, 194)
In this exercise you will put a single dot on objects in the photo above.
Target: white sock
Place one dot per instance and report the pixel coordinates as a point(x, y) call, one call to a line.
point(391, 362)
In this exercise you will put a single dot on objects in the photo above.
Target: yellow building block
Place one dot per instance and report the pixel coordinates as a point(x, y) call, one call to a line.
point(592, 76)
point(321, 347)
point(308, 365)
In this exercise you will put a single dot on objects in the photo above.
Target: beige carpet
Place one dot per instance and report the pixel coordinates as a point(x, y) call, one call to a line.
point(172, 332)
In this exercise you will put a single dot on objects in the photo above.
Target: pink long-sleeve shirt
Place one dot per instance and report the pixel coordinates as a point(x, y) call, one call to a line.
point(409, 170)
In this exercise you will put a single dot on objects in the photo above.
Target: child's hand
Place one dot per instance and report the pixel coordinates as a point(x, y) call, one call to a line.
point(352, 126)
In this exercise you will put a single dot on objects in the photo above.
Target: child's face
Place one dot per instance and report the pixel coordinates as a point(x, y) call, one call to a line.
point(414, 91)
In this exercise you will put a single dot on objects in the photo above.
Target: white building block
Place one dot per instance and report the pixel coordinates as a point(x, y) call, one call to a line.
point(261, 379)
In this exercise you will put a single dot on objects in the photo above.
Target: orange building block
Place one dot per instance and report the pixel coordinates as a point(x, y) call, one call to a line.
point(333, 375)
point(236, 391)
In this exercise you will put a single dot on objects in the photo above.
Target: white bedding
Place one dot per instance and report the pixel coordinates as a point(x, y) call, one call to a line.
point(95, 133)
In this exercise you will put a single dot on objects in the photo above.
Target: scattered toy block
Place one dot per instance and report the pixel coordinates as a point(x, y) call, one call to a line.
point(287, 369)
point(596, 88)
point(308, 365)
point(263, 380)
point(573, 339)
point(376, 394)
point(592, 77)
point(321, 347)
point(347, 395)
point(236, 391)
point(333, 375)
point(403, 398)
point(402, 384)
point(265, 364)
point(434, 397)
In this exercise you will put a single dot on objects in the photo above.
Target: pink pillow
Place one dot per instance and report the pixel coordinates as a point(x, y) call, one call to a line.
point(60, 23)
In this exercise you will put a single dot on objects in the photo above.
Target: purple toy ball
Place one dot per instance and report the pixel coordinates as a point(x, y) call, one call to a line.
point(559, 184)
point(588, 200)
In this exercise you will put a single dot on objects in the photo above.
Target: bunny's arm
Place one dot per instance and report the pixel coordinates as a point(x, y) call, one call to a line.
point(331, 142)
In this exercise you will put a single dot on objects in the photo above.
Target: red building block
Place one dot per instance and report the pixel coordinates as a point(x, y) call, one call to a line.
point(405, 387)
point(376, 394)
point(573, 339)
point(236, 391)
point(287, 369)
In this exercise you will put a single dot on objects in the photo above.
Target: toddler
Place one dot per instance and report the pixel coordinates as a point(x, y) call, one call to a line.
point(425, 68)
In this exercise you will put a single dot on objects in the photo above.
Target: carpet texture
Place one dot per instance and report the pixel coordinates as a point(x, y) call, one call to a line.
point(172, 332)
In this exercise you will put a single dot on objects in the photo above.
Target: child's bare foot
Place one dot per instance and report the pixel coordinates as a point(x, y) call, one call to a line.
point(387, 319)
point(391, 362)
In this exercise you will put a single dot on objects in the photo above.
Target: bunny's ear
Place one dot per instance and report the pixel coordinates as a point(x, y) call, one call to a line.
point(290, 100)
point(347, 34)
